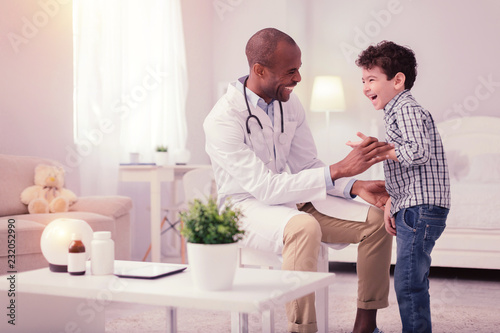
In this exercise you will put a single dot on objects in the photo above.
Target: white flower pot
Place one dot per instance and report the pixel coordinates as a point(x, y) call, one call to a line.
point(161, 158)
point(212, 265)
point(181, 157)
point(134, 158)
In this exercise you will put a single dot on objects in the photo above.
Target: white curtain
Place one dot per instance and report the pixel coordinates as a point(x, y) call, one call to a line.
point(130, 85)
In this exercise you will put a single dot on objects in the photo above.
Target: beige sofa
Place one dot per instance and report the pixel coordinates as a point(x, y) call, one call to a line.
point(103, 213)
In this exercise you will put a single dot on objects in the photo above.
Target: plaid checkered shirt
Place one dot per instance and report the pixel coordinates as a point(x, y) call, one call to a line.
point(421, 176)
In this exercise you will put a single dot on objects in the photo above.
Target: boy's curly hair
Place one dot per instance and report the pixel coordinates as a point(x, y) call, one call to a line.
point(392, 59)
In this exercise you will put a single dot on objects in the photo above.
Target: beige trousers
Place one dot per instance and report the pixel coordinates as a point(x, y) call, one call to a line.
point(302, 239)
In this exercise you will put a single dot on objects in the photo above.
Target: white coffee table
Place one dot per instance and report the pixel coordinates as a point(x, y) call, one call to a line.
point(58, 302)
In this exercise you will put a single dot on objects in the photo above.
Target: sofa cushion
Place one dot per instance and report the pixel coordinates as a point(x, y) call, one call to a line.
point(24, 262)
point(111, 205)
point(18, 172)
point(29, 228)
point(27, 236)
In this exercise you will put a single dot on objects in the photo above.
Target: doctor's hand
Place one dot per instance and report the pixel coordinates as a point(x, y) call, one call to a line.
point(372, 191)
point(363, 155)
point(389, 222)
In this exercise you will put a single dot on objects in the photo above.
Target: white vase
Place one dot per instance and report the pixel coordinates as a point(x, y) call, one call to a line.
point(161, 158)
point(181, 156)
point(212, 265)
point(134, 158)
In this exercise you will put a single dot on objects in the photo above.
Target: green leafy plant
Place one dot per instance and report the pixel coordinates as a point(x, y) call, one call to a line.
point(162, 149)
point(204, 225)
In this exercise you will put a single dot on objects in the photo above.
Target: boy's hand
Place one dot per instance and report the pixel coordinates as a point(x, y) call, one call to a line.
point(390, 223)
point(363, 156)
point(391, 153)
point(357, 143)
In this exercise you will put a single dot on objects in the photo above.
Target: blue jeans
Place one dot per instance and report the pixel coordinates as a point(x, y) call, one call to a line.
point(417, 230)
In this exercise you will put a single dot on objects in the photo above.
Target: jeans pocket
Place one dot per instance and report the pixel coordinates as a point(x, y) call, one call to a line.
point(410, 218)
point(432, 232)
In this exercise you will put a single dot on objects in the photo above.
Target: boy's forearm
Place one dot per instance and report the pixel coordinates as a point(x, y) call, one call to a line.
point(392, 155)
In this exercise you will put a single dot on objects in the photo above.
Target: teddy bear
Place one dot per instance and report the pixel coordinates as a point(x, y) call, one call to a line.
point(48, 194)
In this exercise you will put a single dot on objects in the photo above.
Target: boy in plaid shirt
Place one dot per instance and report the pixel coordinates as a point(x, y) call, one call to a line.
point(417, 177)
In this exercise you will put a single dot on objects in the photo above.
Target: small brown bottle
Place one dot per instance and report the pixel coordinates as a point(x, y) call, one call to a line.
point(77, 256)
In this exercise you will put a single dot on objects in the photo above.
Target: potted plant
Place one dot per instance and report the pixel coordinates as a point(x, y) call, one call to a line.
point(161, 157)
point(212, 243)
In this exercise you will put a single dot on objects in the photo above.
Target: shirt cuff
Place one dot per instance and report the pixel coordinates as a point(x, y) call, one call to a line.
point(330, 184)
point(347, 189)
point(402, 156)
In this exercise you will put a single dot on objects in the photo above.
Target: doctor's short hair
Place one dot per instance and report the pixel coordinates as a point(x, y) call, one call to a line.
point(392, 59)
point(262, 45)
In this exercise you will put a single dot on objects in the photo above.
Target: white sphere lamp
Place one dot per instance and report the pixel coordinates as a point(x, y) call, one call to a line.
point(56, 238)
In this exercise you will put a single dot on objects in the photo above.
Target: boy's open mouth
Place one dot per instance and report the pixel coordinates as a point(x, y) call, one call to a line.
point(373, 97)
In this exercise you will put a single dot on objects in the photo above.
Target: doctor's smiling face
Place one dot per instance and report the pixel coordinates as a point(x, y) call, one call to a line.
point(277, 80)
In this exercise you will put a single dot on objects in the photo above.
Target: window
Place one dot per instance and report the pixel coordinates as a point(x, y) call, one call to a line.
point(130, 82)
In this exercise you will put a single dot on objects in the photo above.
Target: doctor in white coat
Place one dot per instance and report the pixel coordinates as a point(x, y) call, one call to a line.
point(265, 162)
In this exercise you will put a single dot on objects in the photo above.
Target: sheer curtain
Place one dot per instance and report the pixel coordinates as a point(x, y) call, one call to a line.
point(130, 85)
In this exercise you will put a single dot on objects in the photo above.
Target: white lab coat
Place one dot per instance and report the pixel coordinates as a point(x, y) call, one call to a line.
point(267, 189)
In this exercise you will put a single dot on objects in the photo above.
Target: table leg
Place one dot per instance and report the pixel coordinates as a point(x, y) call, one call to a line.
point(155, 193)
point(239, 322)
point(243, 322)
point(173, 239)
point(171, 319)
point(268, 321)
point(322, 309)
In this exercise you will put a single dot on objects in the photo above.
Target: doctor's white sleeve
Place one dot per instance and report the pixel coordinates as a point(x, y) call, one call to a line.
point(330, 185)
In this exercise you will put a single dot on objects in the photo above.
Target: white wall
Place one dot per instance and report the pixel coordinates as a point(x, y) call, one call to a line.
point(36, 85)
point(197, 19)
point(455, 43)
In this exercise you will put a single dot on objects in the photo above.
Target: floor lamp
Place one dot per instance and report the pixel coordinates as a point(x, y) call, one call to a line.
point(327, 96)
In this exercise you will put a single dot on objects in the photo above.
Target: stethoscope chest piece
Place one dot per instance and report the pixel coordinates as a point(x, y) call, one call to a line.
point(282, 138)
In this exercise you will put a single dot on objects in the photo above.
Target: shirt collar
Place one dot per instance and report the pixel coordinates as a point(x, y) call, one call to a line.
point(392, 103)
point(253, 99)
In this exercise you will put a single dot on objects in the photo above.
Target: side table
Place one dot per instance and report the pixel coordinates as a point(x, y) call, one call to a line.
point(155, 175)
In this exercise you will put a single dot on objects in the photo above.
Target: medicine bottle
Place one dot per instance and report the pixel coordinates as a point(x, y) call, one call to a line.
point(77, 256)
point(102, 253)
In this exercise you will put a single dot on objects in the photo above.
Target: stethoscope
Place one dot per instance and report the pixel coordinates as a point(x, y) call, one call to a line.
point(282, 137)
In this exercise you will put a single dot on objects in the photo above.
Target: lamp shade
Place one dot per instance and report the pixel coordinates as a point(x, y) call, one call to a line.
point(328, 94)
point(56, 238)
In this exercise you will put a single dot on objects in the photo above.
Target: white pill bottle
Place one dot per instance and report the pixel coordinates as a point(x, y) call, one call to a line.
point(102, 252)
